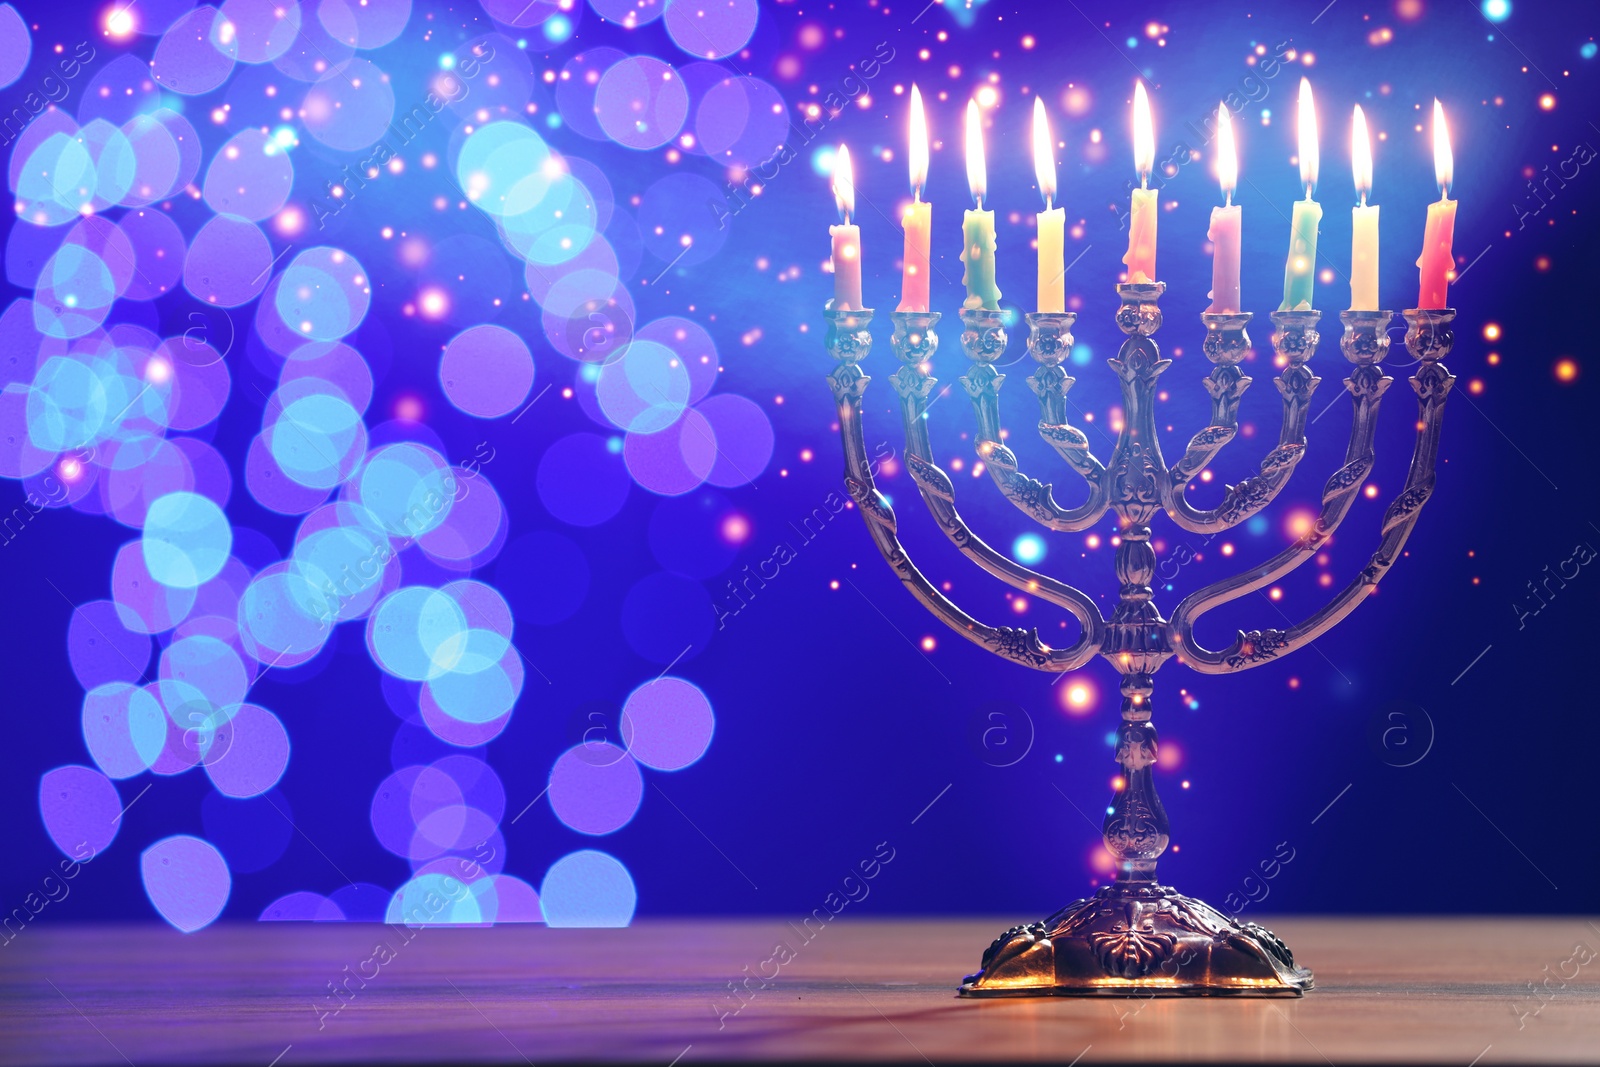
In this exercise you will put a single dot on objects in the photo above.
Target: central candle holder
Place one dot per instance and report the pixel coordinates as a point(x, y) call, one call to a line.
point(1137, 936)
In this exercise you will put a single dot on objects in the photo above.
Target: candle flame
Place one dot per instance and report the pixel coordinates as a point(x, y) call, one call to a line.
point(977, 173)
point(919, 144)
point(1227, 156)
point(1044, 160)
point(1361, 155)
point(1308, 138)
point(844, 183)
point(1144, 134)
point(1444, 160)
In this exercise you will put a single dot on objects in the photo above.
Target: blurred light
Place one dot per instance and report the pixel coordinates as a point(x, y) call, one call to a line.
point(1566, 370)
point(434, 303)
point(1028, 548)
point(119, 21)
point(736, 529)
point(1496, 10)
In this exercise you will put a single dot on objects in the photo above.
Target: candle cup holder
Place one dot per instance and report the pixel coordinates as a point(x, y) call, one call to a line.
point(1137, 937)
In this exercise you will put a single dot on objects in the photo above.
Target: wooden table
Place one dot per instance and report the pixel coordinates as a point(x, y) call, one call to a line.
point(1388, 990)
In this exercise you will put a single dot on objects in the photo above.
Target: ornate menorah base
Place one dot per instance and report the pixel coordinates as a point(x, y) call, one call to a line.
point(1138, 938)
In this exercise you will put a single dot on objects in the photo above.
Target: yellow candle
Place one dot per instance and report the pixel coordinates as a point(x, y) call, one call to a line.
point(1052, 221)
point(918, 218)
point(1364, 222)
point(846, 238)
point(1437, 261)
point(1141, 255)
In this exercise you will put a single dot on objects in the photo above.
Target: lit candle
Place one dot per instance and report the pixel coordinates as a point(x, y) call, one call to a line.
point(1364, 222)
point(1300, 272)
point(846, 238)
point(1227, 223)
point(918, 218)
point(1052, 221)
point(977, 226)
point(1436, 261)
point(1141, 257)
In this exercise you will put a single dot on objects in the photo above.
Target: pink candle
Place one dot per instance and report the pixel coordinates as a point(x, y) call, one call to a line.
point(918, 218)
point(846, 238)
point(1227, 224)
point(1437, 261)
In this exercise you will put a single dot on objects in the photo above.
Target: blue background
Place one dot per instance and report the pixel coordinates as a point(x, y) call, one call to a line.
point(834, 730)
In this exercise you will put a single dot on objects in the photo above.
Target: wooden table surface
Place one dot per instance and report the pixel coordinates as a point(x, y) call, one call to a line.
point(1451, 991)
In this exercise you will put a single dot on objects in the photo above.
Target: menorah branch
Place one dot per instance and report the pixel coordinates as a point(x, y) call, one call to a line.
point(983, 338)
point(915, 341)
point(849, 340)
point(1295, 339)
point(1429, 339)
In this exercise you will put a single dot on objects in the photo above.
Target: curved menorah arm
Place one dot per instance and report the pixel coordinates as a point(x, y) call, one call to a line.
point(849, 341)
point(1429, 339)
point(915, 343)
point(1226, 345)
point(1295, 339)
point(983, 338)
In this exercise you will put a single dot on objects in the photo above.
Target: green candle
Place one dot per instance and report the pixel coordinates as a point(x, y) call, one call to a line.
point(1300, 272)
point(977, 231)
point(977, 226)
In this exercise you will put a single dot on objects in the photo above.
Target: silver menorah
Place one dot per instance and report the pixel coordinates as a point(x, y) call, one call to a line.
point(1136, 936)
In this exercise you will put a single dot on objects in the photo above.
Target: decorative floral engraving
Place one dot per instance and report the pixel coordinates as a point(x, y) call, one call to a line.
point(1406, 503)
point(930, 478)
point(1132, 953)
point(1258, 646)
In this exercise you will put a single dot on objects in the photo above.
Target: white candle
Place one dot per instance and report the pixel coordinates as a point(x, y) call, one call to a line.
point(846, 238)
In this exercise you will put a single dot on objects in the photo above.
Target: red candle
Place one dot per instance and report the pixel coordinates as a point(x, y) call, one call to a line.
point(1437, 262)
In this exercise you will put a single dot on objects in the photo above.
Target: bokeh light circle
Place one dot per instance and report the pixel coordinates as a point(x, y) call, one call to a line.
point(229, 260)
point(416, 633)
point(323, 294)
point(595, 788)
point(351, 111)
point(712, 29)
point(16, 45)
point(667, 724)
point(81, 810)
point(250, 176)
point(196, 54)
point(262, 30)
point(187, 881)
point(486, 371)
point(186, 540)
point(588, 888)
point(408, 487)
point(641, 102)
point(247, 754)
point(646, 389)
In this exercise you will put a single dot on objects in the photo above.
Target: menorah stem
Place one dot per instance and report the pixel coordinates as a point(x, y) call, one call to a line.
point(1135, 829)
